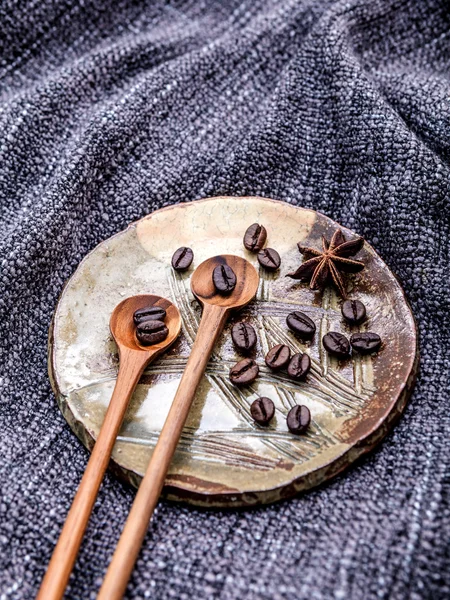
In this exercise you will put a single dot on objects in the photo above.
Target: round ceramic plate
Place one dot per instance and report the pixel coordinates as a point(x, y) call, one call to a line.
point(223, 457)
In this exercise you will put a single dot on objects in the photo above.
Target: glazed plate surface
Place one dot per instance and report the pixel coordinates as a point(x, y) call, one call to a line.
point(224, 458)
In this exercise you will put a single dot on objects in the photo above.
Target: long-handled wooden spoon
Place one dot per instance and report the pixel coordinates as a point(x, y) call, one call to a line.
point(216, 309)
point(133, 359)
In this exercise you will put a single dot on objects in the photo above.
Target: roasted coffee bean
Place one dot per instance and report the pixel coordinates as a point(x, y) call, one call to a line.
point(262, 410)
point(269, 259)
point(255, 237)
point(365, 342)
point(243, 336)
point(244, 372)
point(151, 332)
point(353, 311)
point(299, 366)
point(149, 313)
point(298, 419)
point(337, 344)
point(278, 357)
point(301, 324)
point(224, 279)
point(182, 259)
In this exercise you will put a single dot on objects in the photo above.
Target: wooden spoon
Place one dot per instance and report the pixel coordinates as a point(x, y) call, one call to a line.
point(133, 359)
point(216, 309)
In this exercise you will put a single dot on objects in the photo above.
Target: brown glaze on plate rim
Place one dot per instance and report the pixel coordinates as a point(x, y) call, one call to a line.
point(211, 495)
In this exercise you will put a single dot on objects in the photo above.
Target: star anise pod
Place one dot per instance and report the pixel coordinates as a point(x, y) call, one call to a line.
point(327, 265)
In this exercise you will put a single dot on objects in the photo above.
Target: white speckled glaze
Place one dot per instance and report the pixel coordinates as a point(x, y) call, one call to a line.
point(223, 457)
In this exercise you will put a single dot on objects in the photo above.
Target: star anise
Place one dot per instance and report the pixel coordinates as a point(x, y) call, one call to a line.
point(328, 264)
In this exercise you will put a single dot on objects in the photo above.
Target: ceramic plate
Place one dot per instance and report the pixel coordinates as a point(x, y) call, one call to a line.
point(224, 458)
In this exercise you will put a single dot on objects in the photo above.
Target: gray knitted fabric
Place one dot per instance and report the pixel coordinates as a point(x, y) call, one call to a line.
point(110, 110)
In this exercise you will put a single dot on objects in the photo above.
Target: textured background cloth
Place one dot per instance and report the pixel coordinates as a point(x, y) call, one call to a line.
point(109, 110)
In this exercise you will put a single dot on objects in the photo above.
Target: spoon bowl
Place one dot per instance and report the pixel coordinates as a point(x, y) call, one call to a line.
point(247, 280)
point(123, 328)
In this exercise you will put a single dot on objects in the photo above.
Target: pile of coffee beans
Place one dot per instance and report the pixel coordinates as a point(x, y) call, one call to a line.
point(364, 342)
point(149, 313)
point(338, 344)
point(246, 371)
point(150, 327)
point(244, 339)
point(254, 239)
point(279, 357)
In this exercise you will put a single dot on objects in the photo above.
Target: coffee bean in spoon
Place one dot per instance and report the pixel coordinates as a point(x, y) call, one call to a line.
point(151, 332)
point(353, 311)
point(182, 259)
point(262, 410)
point(278, 357)
point(337, 344)
point(299, 365)
point(224, 279)
point(269, 259)
point(365, 342)
point(255, 237)
point(149, 313)
point(301, 324)
point(244, 372)
point(243, 336)
point(298, 419)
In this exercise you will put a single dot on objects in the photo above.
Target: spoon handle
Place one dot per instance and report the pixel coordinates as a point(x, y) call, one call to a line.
point(63, 558)
point(127, 550)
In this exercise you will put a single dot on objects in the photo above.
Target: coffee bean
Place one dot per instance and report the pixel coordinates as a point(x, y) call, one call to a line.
point(149, 313)
point(278, 357)
point(151, 332)
point(243, 336)
point(255, 237)
point(365, 342)
point(337, 344)
point(269, 259)
point(301, 324)
point(262, 410)
point(353, 311)
point(244, 372)
point(299, 366)
point(224, 279)
point(298, 419)
point(182, 259)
